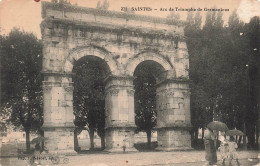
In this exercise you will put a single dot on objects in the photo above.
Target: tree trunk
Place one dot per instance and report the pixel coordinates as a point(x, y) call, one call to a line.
point(250, 128)
point(42, 143)
point(239, 141)
point(196, 134)
point(91, 135)
point(244, 137)
point(257, 136)
point(192, 134)
point(76, 142)
point(28, 148)
point(103, 142)
point(149, 135)
point(202, 134)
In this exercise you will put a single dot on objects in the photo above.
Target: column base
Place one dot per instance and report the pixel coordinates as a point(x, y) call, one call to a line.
point(59, 140)
point(173, 139)
point(120, 139)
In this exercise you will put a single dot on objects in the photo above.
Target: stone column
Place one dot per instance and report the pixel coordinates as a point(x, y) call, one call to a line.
point(58, 113)
point(173, 115)
point(120, 115)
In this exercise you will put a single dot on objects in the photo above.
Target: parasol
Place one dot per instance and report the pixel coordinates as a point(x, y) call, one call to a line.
point(218, 126)
point(38, 140)
point(234, 132)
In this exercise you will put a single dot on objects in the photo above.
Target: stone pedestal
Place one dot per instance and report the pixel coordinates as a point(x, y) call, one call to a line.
point(173, 116)
point(120, 139)
point(120, 116)
point(173, 138)
point(59, 139)
point(58, 113)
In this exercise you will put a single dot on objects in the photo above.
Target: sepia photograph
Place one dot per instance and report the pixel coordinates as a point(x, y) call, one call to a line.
point(130, 82)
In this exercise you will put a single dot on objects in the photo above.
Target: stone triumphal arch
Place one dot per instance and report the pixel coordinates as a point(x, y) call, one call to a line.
point(123, 41)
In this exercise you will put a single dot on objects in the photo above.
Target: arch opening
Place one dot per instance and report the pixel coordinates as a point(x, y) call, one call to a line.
point(148, 56)
point(89, 100)
point(146, 75)
point(79, 53)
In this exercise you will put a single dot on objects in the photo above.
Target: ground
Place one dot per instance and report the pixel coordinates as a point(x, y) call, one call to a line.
point(189, 158)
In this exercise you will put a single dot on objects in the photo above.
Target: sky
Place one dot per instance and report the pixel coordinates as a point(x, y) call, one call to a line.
point(26, 14)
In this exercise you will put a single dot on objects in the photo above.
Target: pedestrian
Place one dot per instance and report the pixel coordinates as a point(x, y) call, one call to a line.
point(232, 146)
point(37, 153)
point(223, 148)
point(210, 147)
point(124, 145)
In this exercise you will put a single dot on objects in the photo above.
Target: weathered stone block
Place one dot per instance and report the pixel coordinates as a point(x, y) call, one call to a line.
point(53, 103)
point(68, 97)
point(123, 117)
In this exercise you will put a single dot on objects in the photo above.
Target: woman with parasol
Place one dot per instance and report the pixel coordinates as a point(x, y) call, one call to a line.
point(210, 140)
point(210, 149)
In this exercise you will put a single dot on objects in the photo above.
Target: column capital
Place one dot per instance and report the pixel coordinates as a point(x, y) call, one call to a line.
point(174, 80)
point(61, 74)
point(46, 88)
point(119, 78)
point(117, 82)
point(112, 92)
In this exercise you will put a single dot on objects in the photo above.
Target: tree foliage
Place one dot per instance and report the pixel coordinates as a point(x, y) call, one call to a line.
point(145, 97)
point(21, 61)
point(173, 15)
point(89, 101)
point(221, 63)
point(104, 5)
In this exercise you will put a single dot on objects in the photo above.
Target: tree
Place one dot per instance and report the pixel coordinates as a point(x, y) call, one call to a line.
point(219, 58)
point(198, 21)
point(145, 100)
point(80, 123)
point(104, 5)
point(225, 79)
point(172, 15)
point(21, 62)
point(5, 114)
point(89, 101)
point(252, 33)
point(193, 33)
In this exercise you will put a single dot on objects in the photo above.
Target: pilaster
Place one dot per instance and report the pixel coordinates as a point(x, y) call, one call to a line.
point(120, 116)
point(58, 112)
point(173, 115)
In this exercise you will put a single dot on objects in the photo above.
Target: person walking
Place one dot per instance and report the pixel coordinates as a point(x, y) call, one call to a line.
point(223, 148)
point(232, 146)
point(37, 153)
point(210, 147)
